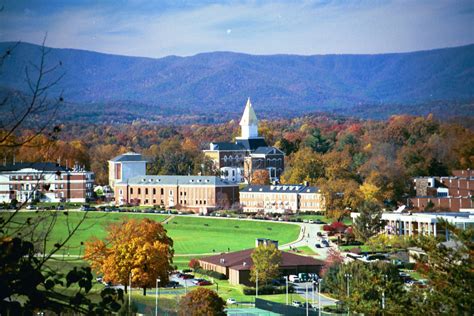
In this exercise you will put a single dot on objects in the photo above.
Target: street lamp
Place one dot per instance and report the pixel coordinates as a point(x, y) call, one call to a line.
point(319, 296)
point(256, 283)
point(156, 296)
point(348, 276)
point(286, 279)
point(307, 307)
point(130, 291)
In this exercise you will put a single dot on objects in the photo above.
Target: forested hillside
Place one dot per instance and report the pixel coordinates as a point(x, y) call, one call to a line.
point(360, 158)
point(214, 86)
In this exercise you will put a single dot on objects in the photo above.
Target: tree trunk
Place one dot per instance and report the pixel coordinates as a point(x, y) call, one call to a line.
point(125, 286)
point(144, 291)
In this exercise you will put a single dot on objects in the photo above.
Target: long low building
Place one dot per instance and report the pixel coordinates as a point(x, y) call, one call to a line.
point(281, 198)
point(45, 182)
point(424, 223)
point(196, 193)
point(237, 265)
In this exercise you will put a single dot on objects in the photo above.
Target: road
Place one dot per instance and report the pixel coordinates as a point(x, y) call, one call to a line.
point(308, 237)
point(312, 298)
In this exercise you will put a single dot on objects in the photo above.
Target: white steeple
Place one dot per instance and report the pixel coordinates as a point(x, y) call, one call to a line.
point(249, 122)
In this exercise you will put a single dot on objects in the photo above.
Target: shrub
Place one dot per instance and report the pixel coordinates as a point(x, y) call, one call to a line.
point(268, 289)
point(213, 274)
point(194, 264)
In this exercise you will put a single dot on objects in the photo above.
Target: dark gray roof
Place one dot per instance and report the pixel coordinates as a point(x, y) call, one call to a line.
point(252, 143)
point(180, 180)
point(41, 166)
point(267, 150)
point(227, 146)
point(296, 188)
point(128, 157)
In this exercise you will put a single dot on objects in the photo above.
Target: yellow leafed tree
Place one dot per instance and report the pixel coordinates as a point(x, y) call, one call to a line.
point(137, 249)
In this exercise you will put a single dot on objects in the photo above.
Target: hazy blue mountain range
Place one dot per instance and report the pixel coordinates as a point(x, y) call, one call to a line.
point(217, 84)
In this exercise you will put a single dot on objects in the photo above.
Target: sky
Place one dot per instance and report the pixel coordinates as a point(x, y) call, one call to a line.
point(179, 27)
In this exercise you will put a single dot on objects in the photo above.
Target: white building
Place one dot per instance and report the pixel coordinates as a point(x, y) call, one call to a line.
point(46, 182)
point(424, 223)
point(126, 166)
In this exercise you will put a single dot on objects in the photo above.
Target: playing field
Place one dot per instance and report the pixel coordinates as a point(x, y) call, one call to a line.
point(191, 235)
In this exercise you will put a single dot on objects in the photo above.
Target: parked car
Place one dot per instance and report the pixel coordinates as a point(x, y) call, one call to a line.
point(201, 282)
point(60, 208)
point(319, 234)
point(293, 278)
point(325, 243)
point(185, 276)
point(317, 245)
point(311, 221)
point(297, 304)
point(172, 284)
point(231, 301)
point(31, 207)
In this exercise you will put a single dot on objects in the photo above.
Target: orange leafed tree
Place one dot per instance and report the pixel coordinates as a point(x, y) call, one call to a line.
point(201, 301)
point(261, 177)
point(141, 249)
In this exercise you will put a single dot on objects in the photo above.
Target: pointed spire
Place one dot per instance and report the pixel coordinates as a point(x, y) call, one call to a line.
point(249, 117)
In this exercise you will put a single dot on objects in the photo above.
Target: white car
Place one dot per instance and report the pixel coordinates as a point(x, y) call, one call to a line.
point(231, 301)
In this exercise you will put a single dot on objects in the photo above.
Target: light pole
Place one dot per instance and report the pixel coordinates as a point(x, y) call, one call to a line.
point(307, 307)
point(348, 276)
point(319, 296)
point(130, 291)
point(286, 279)
point(384, 279)
point(256, 284)
point(156, 296)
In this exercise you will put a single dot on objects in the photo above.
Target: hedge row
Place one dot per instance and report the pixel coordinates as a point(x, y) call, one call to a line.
point(213, 274)
point(269, 289)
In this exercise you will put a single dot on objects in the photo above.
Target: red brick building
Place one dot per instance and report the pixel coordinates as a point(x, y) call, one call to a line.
point(450, 193)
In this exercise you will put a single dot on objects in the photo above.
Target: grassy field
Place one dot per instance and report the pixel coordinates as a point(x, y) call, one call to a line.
point(305, 250)
point(191, 235)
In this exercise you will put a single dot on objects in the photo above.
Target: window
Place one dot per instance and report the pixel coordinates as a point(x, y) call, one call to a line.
point(180, 193)
point(204, 201)
point(146, 201)
point(154, 191)
point(154, 201)
point(131, 190)
point(121, 192)
point(171, 192)
point(162, 191)
point(146, 190)
point(139, 191)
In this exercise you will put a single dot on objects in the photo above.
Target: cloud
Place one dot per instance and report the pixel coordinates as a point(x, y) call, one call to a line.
point(292, 27)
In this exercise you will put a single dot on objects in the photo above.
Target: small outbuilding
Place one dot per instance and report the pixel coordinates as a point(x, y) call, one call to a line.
point(237, 265)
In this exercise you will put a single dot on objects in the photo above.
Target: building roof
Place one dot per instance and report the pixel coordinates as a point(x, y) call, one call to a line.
point(41, 166)
point(130, 156)
point(249, 117)
point(252, 143)
point(226, 146)
point(266, 150)
point(179, 180)
point(282, 188)
point(242, 260)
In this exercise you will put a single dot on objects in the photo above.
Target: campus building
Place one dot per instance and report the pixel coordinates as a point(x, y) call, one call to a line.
point(281, 198)
point(126, 166)
point(237, 265)
point(410, 224)
point(449, 193)
point(45, 182)
point(238, 160)
point(196, 193)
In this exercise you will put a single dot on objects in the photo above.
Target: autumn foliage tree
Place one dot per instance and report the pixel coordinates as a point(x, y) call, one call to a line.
point(261, 177)
point(201, 301)
point(266, 262)
point(140, 249)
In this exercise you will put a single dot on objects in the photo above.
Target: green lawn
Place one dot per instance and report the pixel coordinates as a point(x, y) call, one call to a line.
point(191, 235)
point(305, 250)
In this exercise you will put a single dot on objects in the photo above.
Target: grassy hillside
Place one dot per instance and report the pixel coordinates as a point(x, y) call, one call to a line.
point(191, 235)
